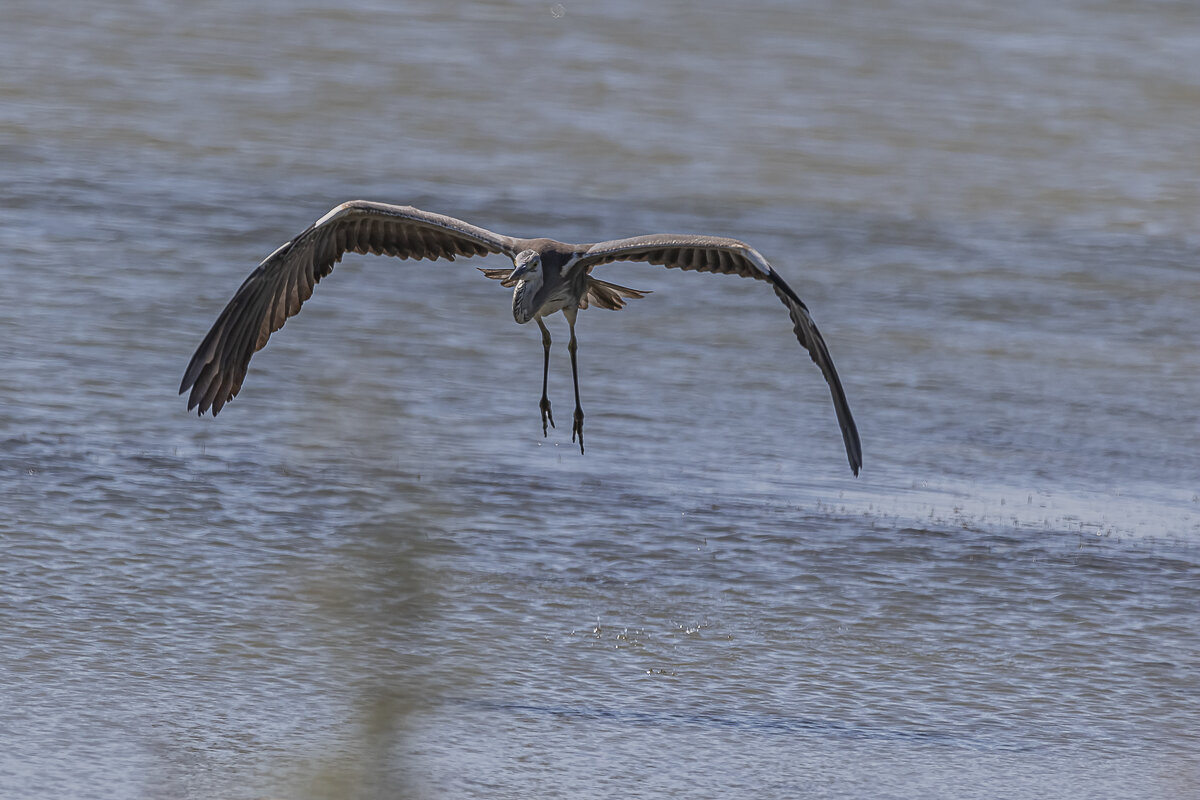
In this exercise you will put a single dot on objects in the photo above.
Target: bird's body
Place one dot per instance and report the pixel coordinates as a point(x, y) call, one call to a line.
point(548, 276)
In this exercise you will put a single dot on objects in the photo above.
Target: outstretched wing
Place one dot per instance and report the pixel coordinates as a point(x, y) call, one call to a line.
point(285, 279)
point(733, 257)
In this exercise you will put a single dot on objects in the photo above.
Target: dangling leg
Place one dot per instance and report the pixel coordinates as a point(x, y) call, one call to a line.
point(545, 404)
point(572, 346)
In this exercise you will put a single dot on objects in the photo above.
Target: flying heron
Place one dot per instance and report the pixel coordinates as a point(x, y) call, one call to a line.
point(547, 276)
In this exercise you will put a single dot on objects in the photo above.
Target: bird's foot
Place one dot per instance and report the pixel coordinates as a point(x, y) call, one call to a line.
point(578, 428)
point(546, 415)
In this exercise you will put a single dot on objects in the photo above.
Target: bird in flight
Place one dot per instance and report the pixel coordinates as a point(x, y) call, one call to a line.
point(547, 276)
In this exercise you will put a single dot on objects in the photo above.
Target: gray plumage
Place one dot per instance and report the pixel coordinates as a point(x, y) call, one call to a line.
point(548, 276)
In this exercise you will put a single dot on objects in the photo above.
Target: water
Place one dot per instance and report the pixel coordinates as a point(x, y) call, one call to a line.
point(372, 577)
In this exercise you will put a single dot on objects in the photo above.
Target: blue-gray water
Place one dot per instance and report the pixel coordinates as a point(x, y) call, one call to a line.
point(372, 577)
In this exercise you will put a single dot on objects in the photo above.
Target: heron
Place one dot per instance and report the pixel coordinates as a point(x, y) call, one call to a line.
point(547, 276)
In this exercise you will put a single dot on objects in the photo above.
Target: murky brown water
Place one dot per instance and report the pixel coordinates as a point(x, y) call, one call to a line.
point(371, 576)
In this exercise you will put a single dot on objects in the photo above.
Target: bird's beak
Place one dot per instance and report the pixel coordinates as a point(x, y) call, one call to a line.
point(518, 274)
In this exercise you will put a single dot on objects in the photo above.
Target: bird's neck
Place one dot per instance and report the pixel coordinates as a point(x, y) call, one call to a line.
point(525, 305)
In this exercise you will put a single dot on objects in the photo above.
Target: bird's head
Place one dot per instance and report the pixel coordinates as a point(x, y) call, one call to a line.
point(528, 267)
point(527, 277)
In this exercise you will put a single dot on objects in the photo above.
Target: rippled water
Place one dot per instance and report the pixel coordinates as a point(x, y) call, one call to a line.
point(371, 575)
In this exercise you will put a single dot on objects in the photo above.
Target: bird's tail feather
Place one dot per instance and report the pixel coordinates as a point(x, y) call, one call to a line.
point(501, 275)
point(601, 293)
point(609, 295)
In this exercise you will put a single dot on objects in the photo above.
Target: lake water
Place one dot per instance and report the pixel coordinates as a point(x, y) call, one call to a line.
point(371, 576)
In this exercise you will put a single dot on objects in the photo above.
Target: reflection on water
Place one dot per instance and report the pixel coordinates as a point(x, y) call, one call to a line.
point(372, 576)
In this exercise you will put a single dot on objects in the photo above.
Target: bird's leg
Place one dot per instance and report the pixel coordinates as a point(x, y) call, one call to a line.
point(545, 404)
point(572, 346)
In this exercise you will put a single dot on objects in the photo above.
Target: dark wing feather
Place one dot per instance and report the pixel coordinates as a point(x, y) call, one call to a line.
point(285, 279)
point(733, 257)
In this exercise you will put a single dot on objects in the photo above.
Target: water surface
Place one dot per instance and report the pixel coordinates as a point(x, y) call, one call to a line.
point(372, 576)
